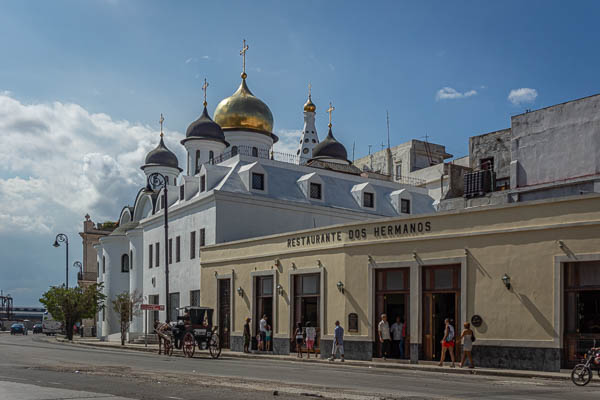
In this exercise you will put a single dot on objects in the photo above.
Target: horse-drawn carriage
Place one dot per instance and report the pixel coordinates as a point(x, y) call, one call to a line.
point(194, 327)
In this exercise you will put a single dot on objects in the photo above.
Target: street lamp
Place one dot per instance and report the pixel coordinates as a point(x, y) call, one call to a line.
point(77, 264)
point(156, 180)
point(62, 238)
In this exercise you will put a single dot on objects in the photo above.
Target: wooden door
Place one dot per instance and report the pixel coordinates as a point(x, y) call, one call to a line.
point(224, 311)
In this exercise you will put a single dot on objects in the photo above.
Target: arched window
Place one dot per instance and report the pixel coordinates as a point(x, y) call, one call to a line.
point(197, 169)
point(125, 263)
point(211, 156)
point(254, 152)
point(234, 151)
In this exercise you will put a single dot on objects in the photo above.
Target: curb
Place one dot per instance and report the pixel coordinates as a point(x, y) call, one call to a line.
point(363, 364)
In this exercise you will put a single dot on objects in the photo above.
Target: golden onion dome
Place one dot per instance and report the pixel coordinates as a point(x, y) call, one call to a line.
point(309, 106)
point(244, 111)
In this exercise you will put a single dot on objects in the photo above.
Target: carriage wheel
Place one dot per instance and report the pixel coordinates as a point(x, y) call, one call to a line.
point(168, 347)
point(189, 345)
point(214, 346)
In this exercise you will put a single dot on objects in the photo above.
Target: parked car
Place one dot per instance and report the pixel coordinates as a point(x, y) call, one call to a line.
point(37, 328)
point(49, 325)
point(18, 328)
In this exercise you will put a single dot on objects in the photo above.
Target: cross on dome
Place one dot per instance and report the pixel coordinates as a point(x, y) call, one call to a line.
point(330, 111)
point(161, 120)
point(204, 87)
point(243, 54)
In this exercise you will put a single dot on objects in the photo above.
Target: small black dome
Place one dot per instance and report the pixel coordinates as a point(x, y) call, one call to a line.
point(330, 148)
point(162, 156)
point(205, 128)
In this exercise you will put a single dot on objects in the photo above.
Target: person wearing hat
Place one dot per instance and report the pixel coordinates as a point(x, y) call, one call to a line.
point(247, 335)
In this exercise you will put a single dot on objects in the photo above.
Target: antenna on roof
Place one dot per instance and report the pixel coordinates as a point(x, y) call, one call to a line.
point(387, 114)
point(369, 148)
point(353, 146)
point(427, 149)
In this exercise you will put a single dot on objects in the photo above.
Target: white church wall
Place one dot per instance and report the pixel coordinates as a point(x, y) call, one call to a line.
point(115, 281)
point(136, 273)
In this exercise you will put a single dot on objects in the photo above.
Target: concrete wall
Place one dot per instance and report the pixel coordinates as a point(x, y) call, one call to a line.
point(556, 143)
point(518, 239)
point(493, 144)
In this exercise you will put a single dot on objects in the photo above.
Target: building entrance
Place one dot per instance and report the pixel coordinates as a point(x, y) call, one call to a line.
point(392, 296)
point(307, 297)
point(441, 300)
point(582, 310)
point(224, 304)
point(263, 301)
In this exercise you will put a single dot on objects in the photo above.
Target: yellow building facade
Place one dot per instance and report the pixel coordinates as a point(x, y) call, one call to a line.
point(526, 275)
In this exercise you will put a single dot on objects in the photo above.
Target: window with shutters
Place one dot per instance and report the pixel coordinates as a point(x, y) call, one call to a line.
point(203, 183)
point(405, 206)
point(157, 248)
point(178, 249)
point(170, 256)
point(258, 181)
point(368, 200)
point(202, 237)
point(192, 245)
point(194, 298)
point(150, 254)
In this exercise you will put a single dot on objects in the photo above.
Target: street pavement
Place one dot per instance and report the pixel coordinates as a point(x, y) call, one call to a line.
point(40, 368)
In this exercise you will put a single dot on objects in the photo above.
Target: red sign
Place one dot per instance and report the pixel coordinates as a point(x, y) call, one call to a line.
point(152, 307)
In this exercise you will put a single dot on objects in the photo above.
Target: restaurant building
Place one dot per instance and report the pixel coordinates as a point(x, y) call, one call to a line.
point(526, 275)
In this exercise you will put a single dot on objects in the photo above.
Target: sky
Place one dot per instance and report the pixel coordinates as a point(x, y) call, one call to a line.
point(83, 84)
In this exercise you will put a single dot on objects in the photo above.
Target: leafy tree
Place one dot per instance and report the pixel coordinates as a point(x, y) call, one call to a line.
point(70, 305)
point(127, 305)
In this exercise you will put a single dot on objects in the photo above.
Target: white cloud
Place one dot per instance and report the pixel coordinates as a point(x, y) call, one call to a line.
point(189, 60)
point(206, 57)
point(448, 93)
point(288, 141)
point(61, 161)
point(522, 95)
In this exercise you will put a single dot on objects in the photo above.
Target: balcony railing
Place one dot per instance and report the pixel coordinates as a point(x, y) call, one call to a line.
point(249, 151)
point(87, 276)
point(478, 183)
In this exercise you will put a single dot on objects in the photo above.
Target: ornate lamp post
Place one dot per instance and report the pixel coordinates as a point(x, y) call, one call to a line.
point(62, 238)
point(155, 181)
point(77, 264)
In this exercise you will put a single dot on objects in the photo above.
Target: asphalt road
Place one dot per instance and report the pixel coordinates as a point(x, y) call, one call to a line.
point(33, 362)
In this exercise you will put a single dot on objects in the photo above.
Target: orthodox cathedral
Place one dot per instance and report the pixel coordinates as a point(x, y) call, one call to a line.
point(234, 187)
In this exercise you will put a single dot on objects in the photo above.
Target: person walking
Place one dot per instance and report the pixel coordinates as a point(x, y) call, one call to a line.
point(338, 342)
point(311, 334)
point(299, 339)
point(247, 335)
point(384, 336)
point(397, 331)
point(262, 332)
point(468, 337)
point(448, 342)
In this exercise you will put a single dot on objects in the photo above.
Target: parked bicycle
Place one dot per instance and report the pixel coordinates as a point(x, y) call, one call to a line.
point(582, 373)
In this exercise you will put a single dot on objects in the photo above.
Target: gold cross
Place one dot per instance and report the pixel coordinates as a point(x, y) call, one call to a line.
point(161, 120)
point(243, 54)
point(204, 87)
point(330, 110)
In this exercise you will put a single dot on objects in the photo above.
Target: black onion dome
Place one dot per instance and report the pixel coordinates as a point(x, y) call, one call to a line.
point(205, 128)
point(330, 148)
point(162, 156)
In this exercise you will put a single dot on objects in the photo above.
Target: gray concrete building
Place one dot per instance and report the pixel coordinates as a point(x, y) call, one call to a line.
point(546, 153)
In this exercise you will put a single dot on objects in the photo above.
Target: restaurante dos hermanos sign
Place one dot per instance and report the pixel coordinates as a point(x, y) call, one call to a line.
point(374, 232)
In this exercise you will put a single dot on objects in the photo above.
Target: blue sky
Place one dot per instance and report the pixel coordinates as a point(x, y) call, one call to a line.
point(83, 84)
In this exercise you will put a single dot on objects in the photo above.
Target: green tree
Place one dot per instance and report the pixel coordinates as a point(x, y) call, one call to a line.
point(126, 305)
point(70, 305)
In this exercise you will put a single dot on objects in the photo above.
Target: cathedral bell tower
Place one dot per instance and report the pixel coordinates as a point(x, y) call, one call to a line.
point(309, 138)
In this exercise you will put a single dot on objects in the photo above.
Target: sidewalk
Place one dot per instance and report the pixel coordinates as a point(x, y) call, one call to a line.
point(425, 366)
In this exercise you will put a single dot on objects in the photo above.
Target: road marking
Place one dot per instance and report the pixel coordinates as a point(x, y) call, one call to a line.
point(173, 397)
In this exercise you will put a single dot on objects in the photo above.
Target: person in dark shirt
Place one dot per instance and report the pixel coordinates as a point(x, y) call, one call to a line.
point(247, 335)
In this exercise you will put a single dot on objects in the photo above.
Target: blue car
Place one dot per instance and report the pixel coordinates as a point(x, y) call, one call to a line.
point(18, 328)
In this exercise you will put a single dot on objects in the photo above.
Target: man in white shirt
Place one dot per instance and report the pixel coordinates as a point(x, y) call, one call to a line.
point(262, 332)
point(397, 331)
point(384, 336)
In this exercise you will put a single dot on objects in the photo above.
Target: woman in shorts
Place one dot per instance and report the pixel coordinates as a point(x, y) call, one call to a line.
point(448, 342)
point(299, 339)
